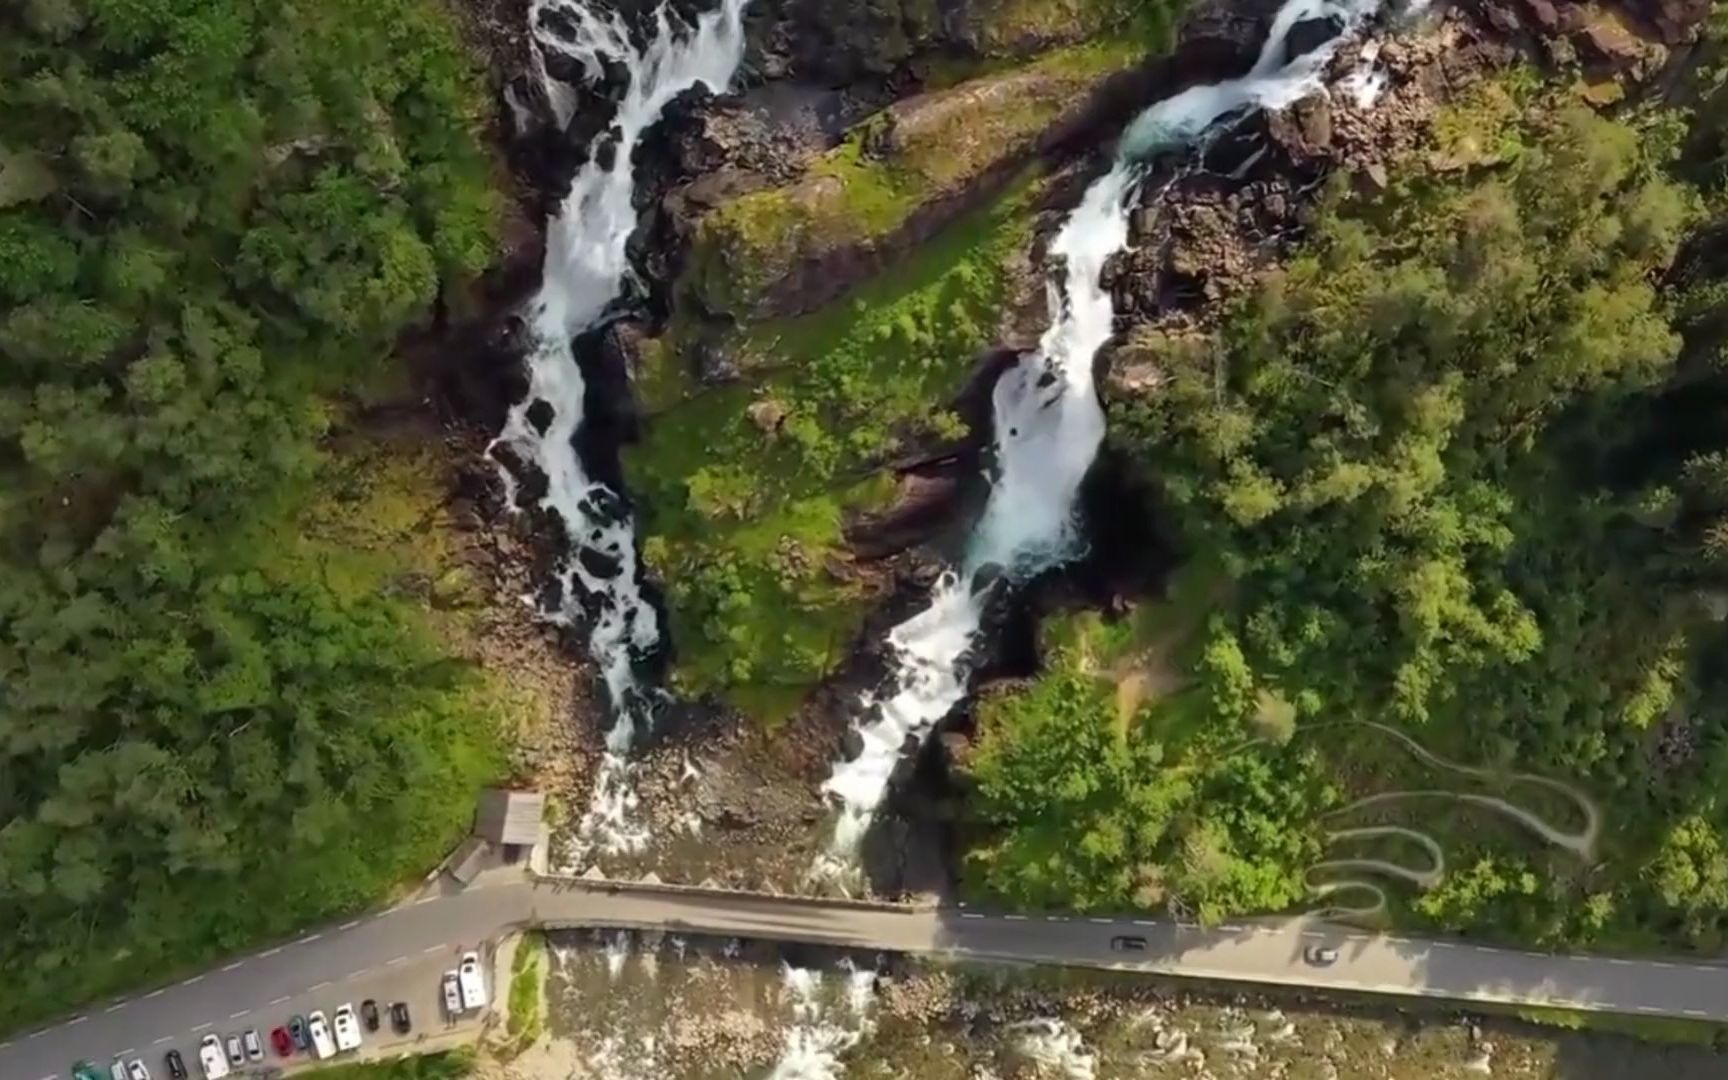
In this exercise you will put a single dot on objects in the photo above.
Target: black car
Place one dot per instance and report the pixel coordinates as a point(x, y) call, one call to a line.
point(1128, 944)
point(399, 1018)
point(369, 1013)
point(176, 1065)
point(297, 1032)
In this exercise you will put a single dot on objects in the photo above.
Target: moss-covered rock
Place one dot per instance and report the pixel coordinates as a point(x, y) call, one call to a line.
point(895, 180)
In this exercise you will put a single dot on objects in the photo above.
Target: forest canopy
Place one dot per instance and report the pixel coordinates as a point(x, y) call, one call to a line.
point(1457, 467)
point(214, 216)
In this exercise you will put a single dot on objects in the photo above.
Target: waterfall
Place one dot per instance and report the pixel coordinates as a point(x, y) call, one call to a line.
point(1049, 424)
point(585, 269)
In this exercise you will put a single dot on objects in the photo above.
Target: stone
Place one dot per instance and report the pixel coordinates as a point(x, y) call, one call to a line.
point(1675, 21)
point(715, 364)
point(767, 414)
point(1605, 44)
point(1304, 130)
point(1309, 34)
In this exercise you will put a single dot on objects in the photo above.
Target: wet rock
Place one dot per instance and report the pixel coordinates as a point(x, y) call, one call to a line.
point(1225, 33)
point(540, 415)
point(715, 363)
point(623, 348)
point(1309, 34)
point(1304, 130)
point(599, 563)
point(1607, 45)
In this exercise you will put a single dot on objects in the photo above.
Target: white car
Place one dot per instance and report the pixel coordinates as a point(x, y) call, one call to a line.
point(117, 1071)
point(318, 1030)
point(253, 1045)
point(347, 1027)
point(211, 1058)
point(472, 981)
point(452, 996)
point(135, 1070)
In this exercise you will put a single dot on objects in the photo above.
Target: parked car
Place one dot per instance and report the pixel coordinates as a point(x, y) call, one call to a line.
point(137, 1070)
point(399, 1018)
point(369, 1013)
point(452, 995)
point(347, 1028)
point(318, 1030)
point(1128, 944)
point(1321, 955)
point(283, 1042)
point(297, 1032)
point(117, 1071)
point(83, 1070)
point(176, 1065)
point(253, 1044)
point(211, 1059)
point(472, 981)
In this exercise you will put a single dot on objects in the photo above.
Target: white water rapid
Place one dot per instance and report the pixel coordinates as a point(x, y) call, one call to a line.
point(585, 270)
point(1049, 423)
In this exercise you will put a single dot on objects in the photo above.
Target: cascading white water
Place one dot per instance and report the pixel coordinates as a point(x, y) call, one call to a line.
point(585, 269)
point(1049, 423)
point(822, 1031)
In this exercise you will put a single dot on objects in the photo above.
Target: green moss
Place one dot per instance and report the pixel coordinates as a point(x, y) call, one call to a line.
point(527, 1018)
point(866, 189)
point(744, 525)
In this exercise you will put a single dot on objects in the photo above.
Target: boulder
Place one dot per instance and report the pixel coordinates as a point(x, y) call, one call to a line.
point(1309, 34)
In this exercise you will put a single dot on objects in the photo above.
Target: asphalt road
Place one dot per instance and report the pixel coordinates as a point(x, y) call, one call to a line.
point(399, 953)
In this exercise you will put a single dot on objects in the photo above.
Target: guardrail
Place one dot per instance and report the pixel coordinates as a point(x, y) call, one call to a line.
point(615, 885)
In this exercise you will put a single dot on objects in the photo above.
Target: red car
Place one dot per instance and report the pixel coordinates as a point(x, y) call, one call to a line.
point(283, 1044)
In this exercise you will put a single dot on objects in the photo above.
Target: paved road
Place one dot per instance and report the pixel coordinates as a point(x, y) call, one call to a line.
point(399, 953)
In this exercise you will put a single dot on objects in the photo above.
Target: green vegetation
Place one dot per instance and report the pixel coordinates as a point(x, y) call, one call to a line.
point(859, 195)
point(220, 721)
point(527, 1013)
point(744, 512)
point(1458, 481)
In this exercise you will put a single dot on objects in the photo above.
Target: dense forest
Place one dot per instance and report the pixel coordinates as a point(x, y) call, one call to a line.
point(215, 216)
point(1456, 468)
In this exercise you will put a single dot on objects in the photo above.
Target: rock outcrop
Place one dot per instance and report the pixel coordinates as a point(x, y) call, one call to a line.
point(783, 249)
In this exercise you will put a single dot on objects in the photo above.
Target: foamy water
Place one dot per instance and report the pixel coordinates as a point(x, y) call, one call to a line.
point(585, 270)
point(1048, 427)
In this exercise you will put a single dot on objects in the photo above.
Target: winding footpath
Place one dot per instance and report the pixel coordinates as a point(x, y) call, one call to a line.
point(398, 953)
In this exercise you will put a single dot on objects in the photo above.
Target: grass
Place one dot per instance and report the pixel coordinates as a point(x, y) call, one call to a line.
point(1673, 1031)
point(527, 1015)
point(745, 526)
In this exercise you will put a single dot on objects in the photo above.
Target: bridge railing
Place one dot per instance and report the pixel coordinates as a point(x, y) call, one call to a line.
point(576, 881)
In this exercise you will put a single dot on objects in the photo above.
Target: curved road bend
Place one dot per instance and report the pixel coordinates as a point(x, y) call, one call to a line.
point(398, 953)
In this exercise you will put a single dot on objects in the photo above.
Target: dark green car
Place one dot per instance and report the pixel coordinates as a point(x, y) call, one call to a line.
point(86, 1071)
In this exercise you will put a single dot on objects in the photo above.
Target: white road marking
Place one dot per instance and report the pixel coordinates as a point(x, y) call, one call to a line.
point(1226, 927)
point(128, 1050)
point(308, 939)
point(394, 960)
point(1695, 1012)
point(52, 1076)
point(116, 1007)
point(1055, 918)
point(38, 1031)
point(318, 986)
point(349, 925)
point(1106, 922)
point(1015, 918)
point(1648, 1009)
point(269, 952)
point(156, 993)
point(1621, 963)
point(202, 1027)
point(234, 966)
point(75, 1021)
point(280, 1000)
point(426, 900)
point(352, 975)
point(238, 1015)
point(1144, 922)
point(163, 1039)
point(430, 949)
point(193, 979)
point(970, 915)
